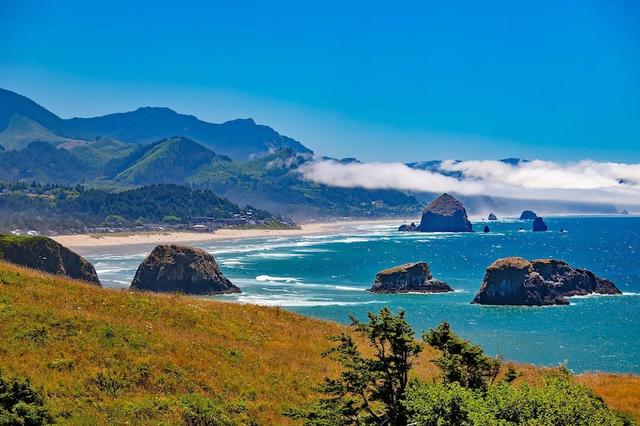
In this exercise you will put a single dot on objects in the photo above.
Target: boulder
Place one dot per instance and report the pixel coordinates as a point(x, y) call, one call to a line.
point(517, 281)
point(408, 278)
point(528, 215)
point(407, 228)
point(492, 216)
point(444, 214)
point(539, 225)
point(177, 268)
point(486, 229)
point(46, 255)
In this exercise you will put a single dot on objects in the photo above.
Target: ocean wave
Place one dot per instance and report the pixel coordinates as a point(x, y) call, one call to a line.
point(277, 255)
point(279, 300)
point(266, 278)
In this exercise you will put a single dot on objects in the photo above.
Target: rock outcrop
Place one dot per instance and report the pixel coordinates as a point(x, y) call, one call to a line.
point(517, 281)
point(407, 228)
point(492, 217)
point(444, 214)
point(539, 225)
point(486, 229)
point(46, 255)
point(528, 215)
point(177, 268)
point(408, 278)
point(625, 212)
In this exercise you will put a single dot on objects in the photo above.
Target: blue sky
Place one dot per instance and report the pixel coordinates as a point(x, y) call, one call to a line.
point(381, 81)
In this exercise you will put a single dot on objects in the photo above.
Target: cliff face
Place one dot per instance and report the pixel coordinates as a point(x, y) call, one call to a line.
point(46, 255)
point(445, 214)
point(410, 277)
point(517, 281)
point(176, 268)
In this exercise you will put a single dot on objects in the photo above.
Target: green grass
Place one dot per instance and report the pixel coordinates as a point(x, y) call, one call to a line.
point(112, 357)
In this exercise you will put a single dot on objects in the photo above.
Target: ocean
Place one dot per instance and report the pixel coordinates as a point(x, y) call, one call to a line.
point(326, 276)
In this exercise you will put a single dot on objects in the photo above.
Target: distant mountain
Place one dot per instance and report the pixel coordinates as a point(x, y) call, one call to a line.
point(170, 160)
point(23, 121)
point(42, 162)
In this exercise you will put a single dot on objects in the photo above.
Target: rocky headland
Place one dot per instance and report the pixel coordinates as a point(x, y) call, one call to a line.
point(46, 255)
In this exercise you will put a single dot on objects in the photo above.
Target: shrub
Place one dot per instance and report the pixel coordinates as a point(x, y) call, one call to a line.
point(21, 404)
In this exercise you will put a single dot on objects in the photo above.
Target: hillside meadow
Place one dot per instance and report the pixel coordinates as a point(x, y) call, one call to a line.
point(109, 356)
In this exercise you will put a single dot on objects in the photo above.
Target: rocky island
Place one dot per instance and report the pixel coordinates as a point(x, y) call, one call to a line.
point(46, 255)
point(407, 228)
point(528, 215)
point(517, 281)
point(176, 268)
point(408, 278)
point(444, 214)
point(539, 225)
point(492, 217)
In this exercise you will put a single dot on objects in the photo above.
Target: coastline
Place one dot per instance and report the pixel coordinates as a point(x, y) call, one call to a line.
point(132, 238)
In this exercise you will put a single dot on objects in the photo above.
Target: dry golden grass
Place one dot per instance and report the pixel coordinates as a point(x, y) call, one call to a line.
point(106, 356)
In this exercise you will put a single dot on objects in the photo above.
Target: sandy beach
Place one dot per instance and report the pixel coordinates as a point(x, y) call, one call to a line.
point(129, 238)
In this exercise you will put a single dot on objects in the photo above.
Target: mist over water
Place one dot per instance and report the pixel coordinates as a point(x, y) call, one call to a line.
point(326, 276)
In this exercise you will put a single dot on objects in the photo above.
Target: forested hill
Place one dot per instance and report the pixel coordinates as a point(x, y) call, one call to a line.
point(54, 208)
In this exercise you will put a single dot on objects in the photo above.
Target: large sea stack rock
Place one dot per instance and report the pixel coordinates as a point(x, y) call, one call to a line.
point(528, 215)
point(444, 214)
point(46, 255)
point(407, 228)
point(176, 268)
point(517, 281)
point(408, 278)
point(486, 229)
point(539, 225)
point(492, 216)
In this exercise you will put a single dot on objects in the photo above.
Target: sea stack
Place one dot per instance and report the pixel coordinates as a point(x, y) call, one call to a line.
point(539, 225)
point(408, 278)
point(444, 214)
point(46, 255)
point(517, 281)
point(528, 215)
point(176, 268)
point(492, 216)
point(486, 229)
point(407, 228)
point(625, 212)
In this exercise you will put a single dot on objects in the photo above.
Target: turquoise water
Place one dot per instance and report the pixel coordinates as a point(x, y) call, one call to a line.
point(326, 276)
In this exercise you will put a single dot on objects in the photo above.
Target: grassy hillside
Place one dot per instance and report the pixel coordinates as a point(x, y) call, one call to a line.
point(106, 356)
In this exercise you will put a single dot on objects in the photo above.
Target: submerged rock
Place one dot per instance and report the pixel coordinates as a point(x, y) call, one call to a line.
point(445, 214)
point(486, 229)
point(492, 216)
point(528, 215)
point(408, 278)
point(539, 225)
point(517, 281)
point(177, 268)
point(407, 228)
point(46, 255)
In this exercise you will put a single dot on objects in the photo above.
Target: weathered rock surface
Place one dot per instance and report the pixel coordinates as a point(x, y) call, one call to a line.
point(408, 278)
point(539, 225)
point(444, 214)
point(407, 228)
point(528, 215)
point(46, 255)
point(492, 216)
point(517, 281)
point(177, 268)
point(486, 229)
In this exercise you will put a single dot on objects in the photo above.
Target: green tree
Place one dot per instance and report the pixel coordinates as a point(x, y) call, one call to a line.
point(368, 390)
point(460, 361)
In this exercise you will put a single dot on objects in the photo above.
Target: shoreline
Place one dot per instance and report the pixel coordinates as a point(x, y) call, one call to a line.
point(132, 238)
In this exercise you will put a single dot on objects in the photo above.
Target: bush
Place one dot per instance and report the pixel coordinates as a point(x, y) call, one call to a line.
point(21, 404)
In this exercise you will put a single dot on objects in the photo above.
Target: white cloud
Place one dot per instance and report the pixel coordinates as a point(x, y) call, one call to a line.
point(580, 181)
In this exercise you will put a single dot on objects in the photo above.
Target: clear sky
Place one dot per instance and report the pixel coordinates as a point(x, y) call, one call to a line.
point(381, 81)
